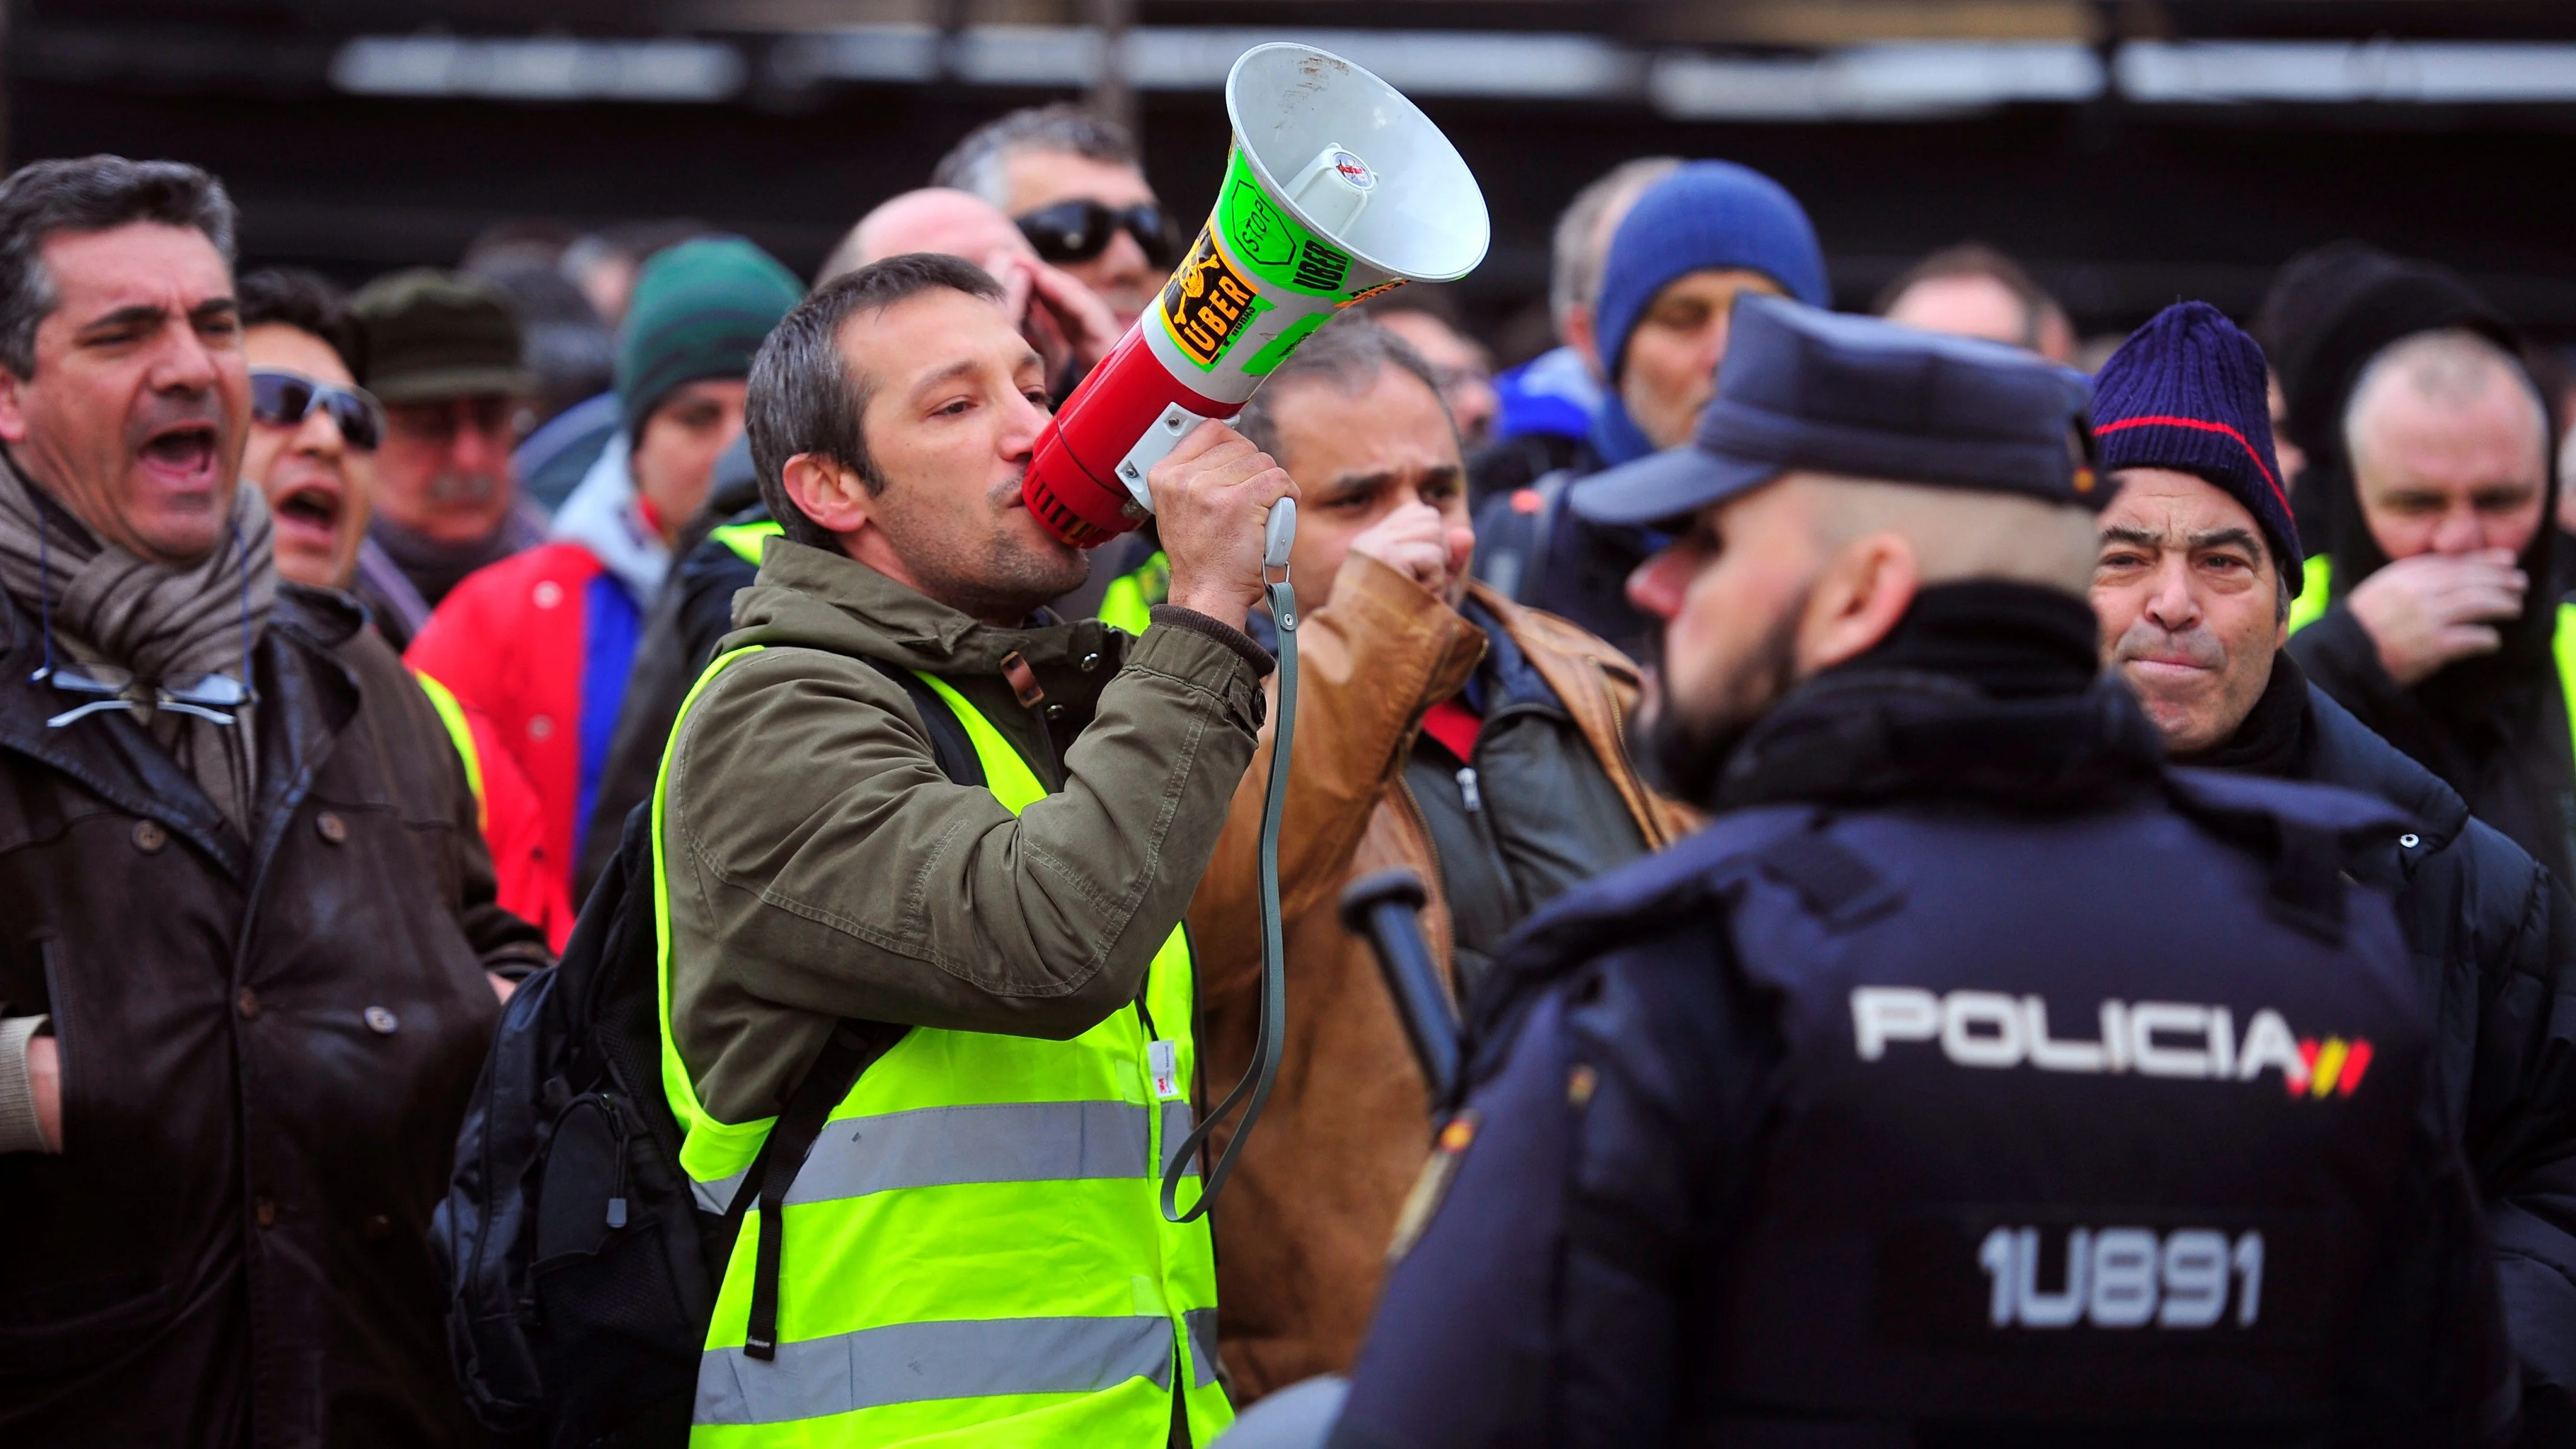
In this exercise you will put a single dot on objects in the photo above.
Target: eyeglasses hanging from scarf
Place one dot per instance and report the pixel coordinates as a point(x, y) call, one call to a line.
point(216, 697)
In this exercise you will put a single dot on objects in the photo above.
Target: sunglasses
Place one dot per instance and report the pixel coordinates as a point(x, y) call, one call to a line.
point(1077, 231)
point(284, 399)
point(207, 696)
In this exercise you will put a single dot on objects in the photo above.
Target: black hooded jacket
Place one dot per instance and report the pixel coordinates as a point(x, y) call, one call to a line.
point(2494, 942)
point(2494, 727)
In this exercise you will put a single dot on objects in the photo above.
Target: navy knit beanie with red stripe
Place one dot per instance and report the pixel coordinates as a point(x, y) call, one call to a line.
point(2186, 392)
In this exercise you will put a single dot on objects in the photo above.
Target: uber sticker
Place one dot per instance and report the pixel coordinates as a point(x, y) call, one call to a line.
point(1207, 302)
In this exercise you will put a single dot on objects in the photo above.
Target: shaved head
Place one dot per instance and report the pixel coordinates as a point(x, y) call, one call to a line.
point(933, 219)
point(2449, 445)
point(1954, 534)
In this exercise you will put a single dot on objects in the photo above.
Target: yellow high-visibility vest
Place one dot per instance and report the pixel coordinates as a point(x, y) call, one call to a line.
point(975, 1248)
point(1132, 595)
point(745, 539)
point(452, 715)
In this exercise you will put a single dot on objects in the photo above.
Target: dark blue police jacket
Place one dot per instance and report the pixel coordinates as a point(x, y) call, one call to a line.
point(1977, 1081)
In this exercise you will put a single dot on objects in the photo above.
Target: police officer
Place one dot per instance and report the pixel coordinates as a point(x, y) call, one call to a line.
point(1974, 1078)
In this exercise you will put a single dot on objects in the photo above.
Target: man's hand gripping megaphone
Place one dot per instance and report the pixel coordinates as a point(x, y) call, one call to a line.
point(1212, 496)
point(1304, 227)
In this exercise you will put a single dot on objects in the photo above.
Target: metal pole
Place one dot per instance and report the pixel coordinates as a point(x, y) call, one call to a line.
point(1112, 98)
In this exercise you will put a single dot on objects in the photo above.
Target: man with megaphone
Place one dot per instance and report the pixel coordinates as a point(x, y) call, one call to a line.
point(912, 831)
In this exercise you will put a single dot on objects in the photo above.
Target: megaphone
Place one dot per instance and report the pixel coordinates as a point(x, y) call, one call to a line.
point(1338, 189)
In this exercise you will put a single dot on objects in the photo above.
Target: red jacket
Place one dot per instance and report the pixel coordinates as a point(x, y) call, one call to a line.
point(512, 821)
point(541, 644)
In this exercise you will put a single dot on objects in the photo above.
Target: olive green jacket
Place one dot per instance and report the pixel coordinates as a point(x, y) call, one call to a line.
point(821, 866)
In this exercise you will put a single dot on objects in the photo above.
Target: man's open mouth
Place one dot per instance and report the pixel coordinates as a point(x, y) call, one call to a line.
point(184, 454)
point(312, 507)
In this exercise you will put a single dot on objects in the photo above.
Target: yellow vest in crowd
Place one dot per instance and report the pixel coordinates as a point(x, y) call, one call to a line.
point(975, 1247)
point(2316, 580)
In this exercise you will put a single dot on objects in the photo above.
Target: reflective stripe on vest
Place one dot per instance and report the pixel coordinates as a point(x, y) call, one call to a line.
point(1131, 597)
point(1040, 1297)
point(745, 539)
point(2317, 576)
point(452, 715)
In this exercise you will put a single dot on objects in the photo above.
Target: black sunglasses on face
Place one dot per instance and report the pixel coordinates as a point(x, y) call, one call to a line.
point(284, 399)
point(1077, 231)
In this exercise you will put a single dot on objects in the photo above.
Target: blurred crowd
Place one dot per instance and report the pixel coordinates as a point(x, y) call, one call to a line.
point(371, 731)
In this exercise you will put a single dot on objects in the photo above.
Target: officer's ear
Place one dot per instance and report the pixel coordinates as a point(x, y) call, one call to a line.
point(1858, 596)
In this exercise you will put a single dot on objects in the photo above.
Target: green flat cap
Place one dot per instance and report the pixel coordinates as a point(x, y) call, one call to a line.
point(433, 335)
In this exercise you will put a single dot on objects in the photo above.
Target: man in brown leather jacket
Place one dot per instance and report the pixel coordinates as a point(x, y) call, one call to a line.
point(1439, 727)
point(245, 916)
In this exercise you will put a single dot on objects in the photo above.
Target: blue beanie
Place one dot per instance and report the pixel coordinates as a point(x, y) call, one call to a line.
point(2187, 392)
point(1704, 215)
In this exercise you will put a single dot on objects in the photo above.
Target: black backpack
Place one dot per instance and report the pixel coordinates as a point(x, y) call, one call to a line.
point(581, 1272)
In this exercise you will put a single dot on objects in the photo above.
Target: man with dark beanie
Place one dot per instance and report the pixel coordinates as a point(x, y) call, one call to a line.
point(2195, 579)
point(2431, 606)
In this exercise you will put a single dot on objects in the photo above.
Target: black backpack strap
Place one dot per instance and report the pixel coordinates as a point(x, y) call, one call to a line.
point(853, 1046)
point(948, 743)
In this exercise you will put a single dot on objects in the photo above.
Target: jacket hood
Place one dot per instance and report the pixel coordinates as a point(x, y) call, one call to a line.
point(811, 598)
point(601, 516)
point(2343, 751)
point(2329, 315)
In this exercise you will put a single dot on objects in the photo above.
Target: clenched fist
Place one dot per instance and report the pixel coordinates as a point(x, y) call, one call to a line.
point(1418, 541)
point(1211, 497)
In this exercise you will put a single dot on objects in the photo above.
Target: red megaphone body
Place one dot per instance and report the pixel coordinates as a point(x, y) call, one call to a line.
point(1374, 196)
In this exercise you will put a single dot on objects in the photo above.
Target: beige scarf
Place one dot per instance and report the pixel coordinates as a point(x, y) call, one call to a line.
point(165, 624)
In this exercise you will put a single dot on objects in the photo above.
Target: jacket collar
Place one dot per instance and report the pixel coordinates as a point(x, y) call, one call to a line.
point(306, 697)
point(2343, 751)
point(820, 599)
point(1857, 736)
point(1597, 686)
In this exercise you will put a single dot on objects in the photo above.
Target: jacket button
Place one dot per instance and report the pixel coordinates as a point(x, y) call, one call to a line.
point(331, 826)
point(378, 1227)
point(264, 1210)
point(540, 727)
point(1088, 662)
point(247, 1004)
point(547, 594)
point(1055, 711)
point(380, 1021)
point(149, 836)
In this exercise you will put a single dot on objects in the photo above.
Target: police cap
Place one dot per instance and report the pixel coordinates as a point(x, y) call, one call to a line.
point(1804, 389)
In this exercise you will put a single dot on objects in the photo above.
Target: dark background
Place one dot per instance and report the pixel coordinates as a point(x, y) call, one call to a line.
point(2120, 208)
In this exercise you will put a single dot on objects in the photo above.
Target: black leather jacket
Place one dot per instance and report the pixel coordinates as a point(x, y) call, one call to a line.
point(265, 1044)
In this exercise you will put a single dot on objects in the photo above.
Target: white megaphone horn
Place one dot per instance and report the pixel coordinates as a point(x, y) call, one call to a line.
point(1338, 189)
